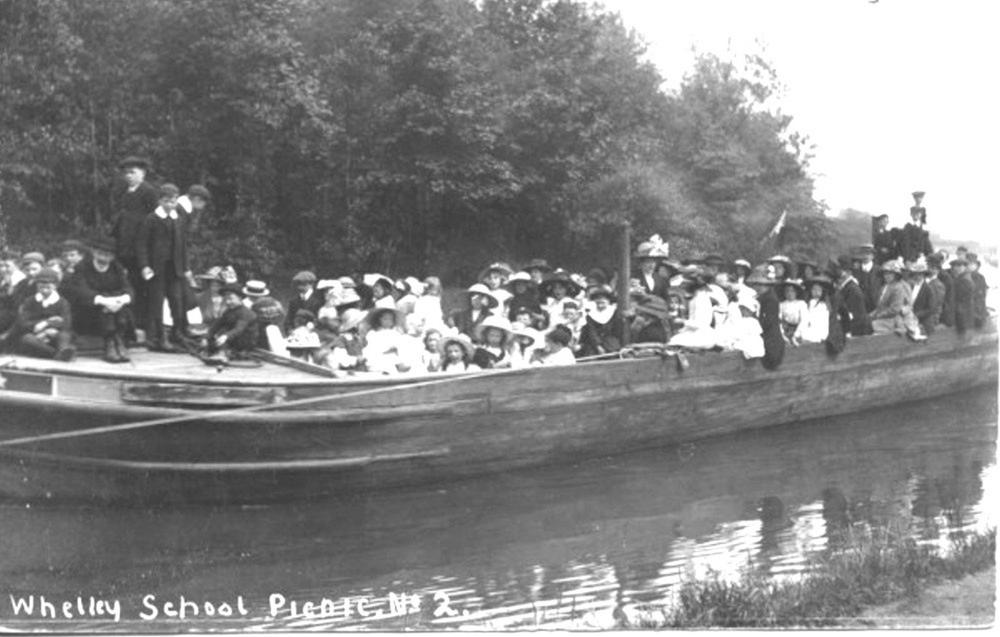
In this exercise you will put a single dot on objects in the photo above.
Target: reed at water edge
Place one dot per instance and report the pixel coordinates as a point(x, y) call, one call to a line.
point(871, 569)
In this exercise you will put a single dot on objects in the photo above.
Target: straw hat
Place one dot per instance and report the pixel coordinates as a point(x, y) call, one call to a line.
point(479, 288)
point(497, 266)
point(520, 276)
point(895, 266)
point(254, 288)
point(563, 277)
point(496, 322)
point(461, 340)
point(371, 279)
point(527, 332)
point(352, 318)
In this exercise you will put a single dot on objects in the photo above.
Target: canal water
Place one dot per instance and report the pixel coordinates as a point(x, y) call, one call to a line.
point(558, 547)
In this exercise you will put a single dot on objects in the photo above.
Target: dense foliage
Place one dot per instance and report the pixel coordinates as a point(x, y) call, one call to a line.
point(416, 135)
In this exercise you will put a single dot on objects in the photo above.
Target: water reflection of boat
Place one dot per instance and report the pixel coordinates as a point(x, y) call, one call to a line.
point(622, 529)
point(242, 435)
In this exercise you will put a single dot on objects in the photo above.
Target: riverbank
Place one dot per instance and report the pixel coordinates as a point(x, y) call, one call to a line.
point(879, 579)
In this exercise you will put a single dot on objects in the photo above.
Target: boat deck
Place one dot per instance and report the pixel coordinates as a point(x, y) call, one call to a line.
point(163, 366)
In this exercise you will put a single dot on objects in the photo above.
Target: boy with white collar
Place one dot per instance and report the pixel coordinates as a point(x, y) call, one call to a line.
point(44, 321)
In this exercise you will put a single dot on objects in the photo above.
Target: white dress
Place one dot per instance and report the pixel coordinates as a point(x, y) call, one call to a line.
point(384, 349)
point(815, 325)
point(697, 332)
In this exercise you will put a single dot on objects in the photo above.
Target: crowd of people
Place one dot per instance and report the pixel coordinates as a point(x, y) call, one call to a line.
point(135, 284)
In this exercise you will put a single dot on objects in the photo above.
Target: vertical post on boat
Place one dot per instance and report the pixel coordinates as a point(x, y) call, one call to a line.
point(624, 276)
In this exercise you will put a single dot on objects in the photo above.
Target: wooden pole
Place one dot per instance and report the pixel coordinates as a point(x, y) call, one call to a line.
point(625, 276)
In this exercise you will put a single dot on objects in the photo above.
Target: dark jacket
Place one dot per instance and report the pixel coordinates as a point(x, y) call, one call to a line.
point(32, 312)
point(927, 304)
point(979, 312)
point(849, 305)
point(770, 324)
point(313, 304)
point(659, 287)
point(871, 285)
point(948, 306)
point(885, 246)
point(462, 321)
point(913, 242)
point(485, 359)
point(131, 209)
point(85, 284)
point(238, 324)
point(601, 338)
point(965, 293)
point(162, 241)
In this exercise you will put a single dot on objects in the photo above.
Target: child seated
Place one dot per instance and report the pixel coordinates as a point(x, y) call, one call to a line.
point(303, 342)
point(456, 354)
point(345, 352)
point(557, 351)
point(234, 334)
point(44, 321)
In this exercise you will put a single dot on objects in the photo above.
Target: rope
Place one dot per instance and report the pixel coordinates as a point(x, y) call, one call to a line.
point(208, 415)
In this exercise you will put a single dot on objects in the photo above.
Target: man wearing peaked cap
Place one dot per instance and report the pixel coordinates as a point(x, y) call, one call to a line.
point(44, 324)
point(131, 202)
point(101, 296)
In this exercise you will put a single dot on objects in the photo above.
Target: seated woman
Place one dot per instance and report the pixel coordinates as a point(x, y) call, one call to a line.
point(739, 330)
point(697, 331)
point(815, 325)
point(524, 341)
point(456, 354)
point(101, 297)
point(385, 346)
point(651, 323)
point(524, 295)
point(44, 321)
point(556, 350)
point(494, 277)
point(492, 334)
point(894, 312)
point(791, 309)
point(234, 334)
point(558, 289)
point(604, 330)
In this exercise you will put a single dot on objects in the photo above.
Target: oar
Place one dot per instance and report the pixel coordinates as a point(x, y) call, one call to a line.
point(294, 363)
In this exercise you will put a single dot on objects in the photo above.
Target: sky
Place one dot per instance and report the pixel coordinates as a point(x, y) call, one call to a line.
point(895, 95)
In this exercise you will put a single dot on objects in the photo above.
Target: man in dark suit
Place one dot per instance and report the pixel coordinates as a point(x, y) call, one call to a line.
point(965, 290)
point(129, 208)
point(927, 294)
point(979, 311)
point(946, 278)
point(769, 318)
point(849, 302)
point(867, 275)
point(161, 251)
point(649, 280)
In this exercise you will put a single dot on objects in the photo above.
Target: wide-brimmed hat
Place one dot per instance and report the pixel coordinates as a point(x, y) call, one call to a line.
point(255, 288)
point(893, 266)
point(713, 259)
point(538, 264)
point(916, 267)
point(743, 263)
point(645, 251)
point(795, 283)
point(780, 258)
point(520, 276)
point(47, 275)
point(461, 339)
point(758, 276)
point(563, 277)
point(351, 318)
point(865, 248)
point(479, 288)
point(496, 322)
point(602, 290)
point(598, 274)
point(527, 332)
point(134, 161)
point(326, 284)
point(820, 279)
point(375, 316)
point(416, 285)
point(197, 190)
point(33, 257)
point(305, 276)
point(371, 279)
point(73, 244)
point(214, 273)
point(496, 266)
point(653, 306)
point(347, 296)
point(104, 244)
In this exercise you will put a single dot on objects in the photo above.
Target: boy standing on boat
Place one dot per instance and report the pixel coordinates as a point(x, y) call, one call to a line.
point(130, 209)
point(161, 252)
point(102, 299)
point(44, 321)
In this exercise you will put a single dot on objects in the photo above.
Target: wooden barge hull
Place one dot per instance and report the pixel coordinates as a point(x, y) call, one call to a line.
point(359, 435)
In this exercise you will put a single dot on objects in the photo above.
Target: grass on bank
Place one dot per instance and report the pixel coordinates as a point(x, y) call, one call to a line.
point(872, 570)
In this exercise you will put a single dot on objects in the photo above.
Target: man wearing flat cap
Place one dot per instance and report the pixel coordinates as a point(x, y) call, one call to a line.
point(129, 208)
point(194, 203)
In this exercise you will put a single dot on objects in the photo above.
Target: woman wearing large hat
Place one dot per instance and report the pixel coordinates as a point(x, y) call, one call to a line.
point(538, 269)
point(492, 335)
point(481, 304)
point(522, 345)
point(557, 289)
point(649, 281)
point(523, 295)
point(604, 331)
point(894, 311)
point(815, 324)
point(791, 308)
point(697, 331)
point(386, 347)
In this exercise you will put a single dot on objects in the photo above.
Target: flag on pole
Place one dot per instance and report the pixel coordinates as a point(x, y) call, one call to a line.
point(779, 224)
